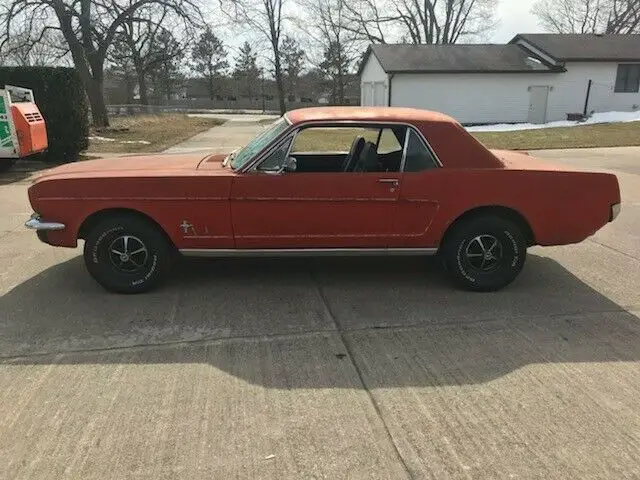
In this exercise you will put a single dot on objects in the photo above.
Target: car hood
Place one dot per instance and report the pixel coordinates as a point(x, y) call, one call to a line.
point(144, 164)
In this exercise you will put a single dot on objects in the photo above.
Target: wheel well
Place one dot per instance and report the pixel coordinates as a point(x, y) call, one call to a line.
point(498, 211)
point(96, 217)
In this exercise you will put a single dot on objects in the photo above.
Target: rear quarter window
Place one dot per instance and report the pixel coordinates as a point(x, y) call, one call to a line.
point(419, 157)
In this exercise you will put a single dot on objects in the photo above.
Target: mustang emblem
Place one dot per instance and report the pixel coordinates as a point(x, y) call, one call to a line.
point(187, 228)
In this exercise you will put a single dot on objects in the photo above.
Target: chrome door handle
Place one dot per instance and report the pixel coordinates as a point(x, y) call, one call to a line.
point(394, 181)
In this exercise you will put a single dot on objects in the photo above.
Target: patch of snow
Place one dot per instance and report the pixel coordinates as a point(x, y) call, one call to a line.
point(105, 139)
point(102, 139)
point(604, 117)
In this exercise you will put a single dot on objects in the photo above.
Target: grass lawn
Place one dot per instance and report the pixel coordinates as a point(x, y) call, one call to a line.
point(339, 139)
point(585, 136)
point(147, 133)
point(599, 135)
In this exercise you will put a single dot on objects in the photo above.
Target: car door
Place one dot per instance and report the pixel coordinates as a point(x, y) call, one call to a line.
point(313, 209)
point(421, 192)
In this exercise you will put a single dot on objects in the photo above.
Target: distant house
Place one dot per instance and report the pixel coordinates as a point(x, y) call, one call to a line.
point(534, 78)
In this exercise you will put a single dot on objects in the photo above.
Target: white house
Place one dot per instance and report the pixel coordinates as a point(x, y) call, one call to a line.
point(534, 78)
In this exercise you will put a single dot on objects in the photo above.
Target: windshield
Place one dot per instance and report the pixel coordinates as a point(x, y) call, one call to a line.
point(243, 156)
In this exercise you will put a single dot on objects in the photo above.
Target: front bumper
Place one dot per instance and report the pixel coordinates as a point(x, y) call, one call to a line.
point(36, 223)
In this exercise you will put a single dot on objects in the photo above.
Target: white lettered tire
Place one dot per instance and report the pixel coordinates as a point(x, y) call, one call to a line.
point(484, 253)
point(127, 254)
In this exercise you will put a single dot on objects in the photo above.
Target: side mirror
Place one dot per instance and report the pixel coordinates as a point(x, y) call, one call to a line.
point(290, 164)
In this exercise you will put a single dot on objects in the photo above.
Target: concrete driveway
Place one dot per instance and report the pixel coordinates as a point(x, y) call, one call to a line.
point(324, 368)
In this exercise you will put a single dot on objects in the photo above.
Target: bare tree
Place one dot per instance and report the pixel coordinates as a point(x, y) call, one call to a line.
point(571, 16)
point(337, 43)
point(624, 16)
point(145, 49)
point(589, 16)
point(89, 28)
point(138, 41)
point(266, 17)
point(21, 50)
point(120, 66)
point(420, 21)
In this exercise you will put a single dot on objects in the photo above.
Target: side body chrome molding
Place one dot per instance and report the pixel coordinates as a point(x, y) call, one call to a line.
point(303, 252)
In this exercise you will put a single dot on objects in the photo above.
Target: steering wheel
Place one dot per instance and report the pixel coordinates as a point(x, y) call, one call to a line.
point(356, 147)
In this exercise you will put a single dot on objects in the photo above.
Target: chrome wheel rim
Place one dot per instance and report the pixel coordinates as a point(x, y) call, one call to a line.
point(484, 252)
point(128, 254)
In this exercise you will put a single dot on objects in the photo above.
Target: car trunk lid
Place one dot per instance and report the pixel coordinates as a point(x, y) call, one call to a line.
point(516, 160)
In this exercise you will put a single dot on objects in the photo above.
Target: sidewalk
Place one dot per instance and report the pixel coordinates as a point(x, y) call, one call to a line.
point(221, 139)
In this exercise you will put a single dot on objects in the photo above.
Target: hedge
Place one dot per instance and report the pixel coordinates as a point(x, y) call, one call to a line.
point(61, 98)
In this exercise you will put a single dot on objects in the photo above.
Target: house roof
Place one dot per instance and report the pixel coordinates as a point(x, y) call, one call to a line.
point(455, 58)
point(585, 47)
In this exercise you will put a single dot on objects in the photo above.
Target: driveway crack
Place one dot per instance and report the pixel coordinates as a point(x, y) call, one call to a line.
point(614, 249)
point(351, 358)
point(454, 323)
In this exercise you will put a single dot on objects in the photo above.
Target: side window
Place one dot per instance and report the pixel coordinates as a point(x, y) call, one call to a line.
point(389, 142)
point(334, 149)
point(419, 157)
point(275, 160)
point(331, 139)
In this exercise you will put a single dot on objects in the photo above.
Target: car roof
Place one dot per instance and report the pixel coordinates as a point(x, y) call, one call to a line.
point(366, 114)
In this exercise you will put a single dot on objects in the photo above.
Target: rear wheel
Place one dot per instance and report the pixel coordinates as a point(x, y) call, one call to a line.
point(127, 254)
point(484, 253)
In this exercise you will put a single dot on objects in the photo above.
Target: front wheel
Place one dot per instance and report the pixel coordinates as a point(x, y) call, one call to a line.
point(484, 253)
point(126, 254)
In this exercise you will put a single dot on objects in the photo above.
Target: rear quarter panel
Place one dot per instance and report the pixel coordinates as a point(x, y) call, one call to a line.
point(199, 199)
point(562, 207)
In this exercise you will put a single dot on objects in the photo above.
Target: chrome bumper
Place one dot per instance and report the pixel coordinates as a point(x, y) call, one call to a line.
point(36, 223)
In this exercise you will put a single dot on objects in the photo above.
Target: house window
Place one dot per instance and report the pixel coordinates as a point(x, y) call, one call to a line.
point(628, 78)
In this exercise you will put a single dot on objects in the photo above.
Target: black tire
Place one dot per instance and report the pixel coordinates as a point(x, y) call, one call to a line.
point(465, 253)
point(143, 262)
point(6, 164)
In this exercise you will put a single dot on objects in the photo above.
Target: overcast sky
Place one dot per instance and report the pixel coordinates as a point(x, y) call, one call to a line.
point(515, 17)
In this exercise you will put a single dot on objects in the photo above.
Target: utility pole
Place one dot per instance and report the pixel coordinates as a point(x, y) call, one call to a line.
point(586, 100)
point(262, 84)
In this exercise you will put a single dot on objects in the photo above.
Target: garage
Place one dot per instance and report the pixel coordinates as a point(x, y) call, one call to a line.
point(534, 78)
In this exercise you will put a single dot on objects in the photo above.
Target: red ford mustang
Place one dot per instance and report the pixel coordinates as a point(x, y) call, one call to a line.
point(340, 180)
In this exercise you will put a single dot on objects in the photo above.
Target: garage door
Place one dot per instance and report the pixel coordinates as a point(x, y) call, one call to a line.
point(379, 94)
point(367, 94)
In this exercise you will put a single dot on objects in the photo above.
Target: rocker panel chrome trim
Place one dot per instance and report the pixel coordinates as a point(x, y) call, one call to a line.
point(311, 252)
